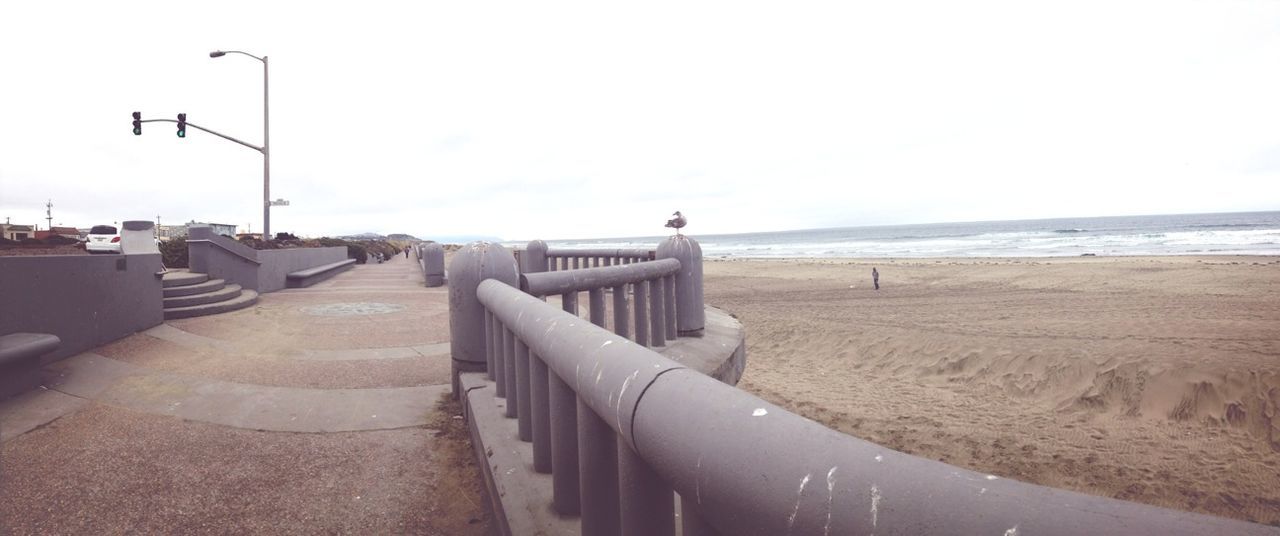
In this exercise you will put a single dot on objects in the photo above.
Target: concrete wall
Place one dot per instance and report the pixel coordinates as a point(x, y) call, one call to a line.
point(86, 300)
point(260, 270)
point(222, 257)
point(278, 263)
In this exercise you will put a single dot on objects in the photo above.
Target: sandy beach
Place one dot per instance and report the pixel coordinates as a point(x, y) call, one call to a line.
point(1152, 379)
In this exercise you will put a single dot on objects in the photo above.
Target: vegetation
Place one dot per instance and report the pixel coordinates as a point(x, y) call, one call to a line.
point(356, 249)
point(173, 252)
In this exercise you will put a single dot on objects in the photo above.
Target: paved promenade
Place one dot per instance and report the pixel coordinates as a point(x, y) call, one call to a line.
point(320, 410)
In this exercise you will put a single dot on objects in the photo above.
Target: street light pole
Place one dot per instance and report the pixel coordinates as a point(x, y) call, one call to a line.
point(266, 140)
point(266, 156)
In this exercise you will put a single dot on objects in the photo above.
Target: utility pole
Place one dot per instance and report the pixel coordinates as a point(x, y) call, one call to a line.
point(48, 212)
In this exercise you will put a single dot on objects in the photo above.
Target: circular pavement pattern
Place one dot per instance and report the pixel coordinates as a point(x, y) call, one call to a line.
point(353, 309)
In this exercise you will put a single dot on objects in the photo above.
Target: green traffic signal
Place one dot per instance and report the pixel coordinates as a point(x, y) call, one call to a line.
point(137, 123)
point(182, 125)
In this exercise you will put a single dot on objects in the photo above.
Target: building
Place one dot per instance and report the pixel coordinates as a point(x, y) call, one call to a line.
point(166, 232)
point(17, 232)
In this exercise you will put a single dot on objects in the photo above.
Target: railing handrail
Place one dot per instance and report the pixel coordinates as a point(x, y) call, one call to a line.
point(600, 252)
point(560, 282)
point(749, 467)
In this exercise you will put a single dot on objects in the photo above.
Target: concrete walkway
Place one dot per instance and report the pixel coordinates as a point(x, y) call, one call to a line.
point(315, 411)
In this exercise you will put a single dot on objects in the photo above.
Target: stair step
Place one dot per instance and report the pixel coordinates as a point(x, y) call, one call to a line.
point(198, 288)
point(245, 299)
point(226, 293)
point(178, 278)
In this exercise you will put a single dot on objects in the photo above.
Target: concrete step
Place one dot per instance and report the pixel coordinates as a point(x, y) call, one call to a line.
point(245, 299)
point(181, 277)
point(198, 288)
point(226, 293)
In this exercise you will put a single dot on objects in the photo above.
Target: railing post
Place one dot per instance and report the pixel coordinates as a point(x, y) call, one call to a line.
point(597, 473)
point(471, 265)
point(509, 351)
point(541, 414)
point(569, 303)
point(669, 301)
point(564, 446)
point(642, 312)
point(433, 264)
point(500, 361)
point(691, 317)
point(535, 257)
point(523, 410)
point(620, 312)
point(691, 522)
point(488, 347)
point(648, 507)
point(595, 297)
point(657, 324)
point(495, 348)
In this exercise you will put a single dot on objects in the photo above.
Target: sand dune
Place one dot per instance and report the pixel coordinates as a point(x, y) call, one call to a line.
point(1150, 379)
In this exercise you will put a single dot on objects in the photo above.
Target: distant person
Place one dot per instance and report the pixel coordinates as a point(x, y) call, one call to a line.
point(875, 277)
point(406, 253)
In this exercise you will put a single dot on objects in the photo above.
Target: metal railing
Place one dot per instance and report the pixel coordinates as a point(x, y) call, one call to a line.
point(573, 259)
point(651, 285)
point(620, 428)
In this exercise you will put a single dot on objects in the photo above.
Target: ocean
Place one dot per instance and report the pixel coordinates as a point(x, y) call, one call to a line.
point(1238, 233)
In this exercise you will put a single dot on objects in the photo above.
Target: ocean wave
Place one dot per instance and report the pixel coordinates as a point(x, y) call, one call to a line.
point(1067, 231)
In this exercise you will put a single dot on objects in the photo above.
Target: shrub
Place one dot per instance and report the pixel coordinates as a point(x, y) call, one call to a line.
point(357, 252)
point(174, 252)
point(59, 240)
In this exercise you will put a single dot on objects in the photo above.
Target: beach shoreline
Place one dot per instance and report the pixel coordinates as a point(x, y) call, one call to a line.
point(1147, 378)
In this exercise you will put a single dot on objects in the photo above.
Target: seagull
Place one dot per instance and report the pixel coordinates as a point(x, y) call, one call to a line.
point(677, 222)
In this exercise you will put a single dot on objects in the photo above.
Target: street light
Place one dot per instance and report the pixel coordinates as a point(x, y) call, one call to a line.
point(266, 141)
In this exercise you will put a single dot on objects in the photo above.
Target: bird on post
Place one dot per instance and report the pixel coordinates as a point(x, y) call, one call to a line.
point(677, 222)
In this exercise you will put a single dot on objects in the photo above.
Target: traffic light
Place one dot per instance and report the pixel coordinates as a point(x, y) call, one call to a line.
point(182, 125)
point(137, 123)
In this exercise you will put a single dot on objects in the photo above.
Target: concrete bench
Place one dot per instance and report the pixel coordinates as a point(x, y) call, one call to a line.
point(311, 276)
point(20, 360)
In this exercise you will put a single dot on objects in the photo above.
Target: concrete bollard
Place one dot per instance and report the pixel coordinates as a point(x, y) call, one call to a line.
point(535, 257)
point(433, 264)
point(472, 264)
point(690, 316)
point(138, 237)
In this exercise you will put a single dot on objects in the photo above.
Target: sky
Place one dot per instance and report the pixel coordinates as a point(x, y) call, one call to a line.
point(554, 120)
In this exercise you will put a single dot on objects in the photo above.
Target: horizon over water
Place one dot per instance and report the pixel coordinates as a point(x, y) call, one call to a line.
point(1234, 233)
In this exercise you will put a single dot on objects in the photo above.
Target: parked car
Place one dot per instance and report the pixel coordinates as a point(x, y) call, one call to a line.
point(103, 239)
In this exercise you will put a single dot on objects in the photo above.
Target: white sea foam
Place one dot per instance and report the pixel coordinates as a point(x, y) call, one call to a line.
point(1196, 234)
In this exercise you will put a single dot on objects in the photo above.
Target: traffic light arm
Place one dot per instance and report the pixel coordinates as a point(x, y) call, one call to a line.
point(218, 134)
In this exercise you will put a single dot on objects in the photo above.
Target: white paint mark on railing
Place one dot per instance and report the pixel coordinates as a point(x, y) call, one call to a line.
point(697, 481)
point(875, 505)
point(831, 488)
point(791, 521)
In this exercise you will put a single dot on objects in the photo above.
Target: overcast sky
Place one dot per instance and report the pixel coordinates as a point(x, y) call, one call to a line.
point(548, 120)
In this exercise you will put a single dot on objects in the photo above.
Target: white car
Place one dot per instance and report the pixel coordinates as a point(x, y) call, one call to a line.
point(103, 239)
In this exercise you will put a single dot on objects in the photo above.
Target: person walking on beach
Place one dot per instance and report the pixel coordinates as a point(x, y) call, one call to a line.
point(875, 278)
point(406, 253)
